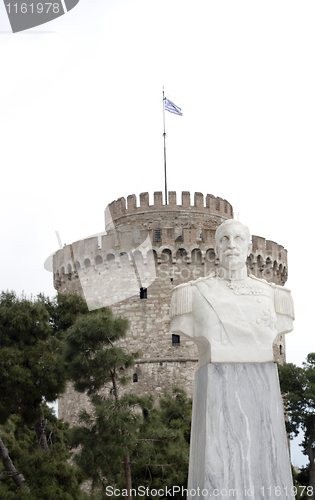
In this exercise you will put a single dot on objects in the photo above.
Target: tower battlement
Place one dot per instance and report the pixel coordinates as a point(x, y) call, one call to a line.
point(268, 260)
point(207, 205)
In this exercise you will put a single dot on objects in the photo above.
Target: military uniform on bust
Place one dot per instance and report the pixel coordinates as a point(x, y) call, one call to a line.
point(232, 320)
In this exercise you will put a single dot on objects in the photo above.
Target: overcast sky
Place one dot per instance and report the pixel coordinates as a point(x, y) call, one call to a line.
point(81, 125)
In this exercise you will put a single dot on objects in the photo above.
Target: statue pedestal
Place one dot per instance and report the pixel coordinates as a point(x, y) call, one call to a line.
point(238, 444)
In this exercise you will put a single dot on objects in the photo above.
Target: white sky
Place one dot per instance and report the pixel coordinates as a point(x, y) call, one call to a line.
point(81, 125)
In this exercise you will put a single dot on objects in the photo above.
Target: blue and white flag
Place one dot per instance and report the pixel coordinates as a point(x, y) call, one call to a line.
point(172, 108)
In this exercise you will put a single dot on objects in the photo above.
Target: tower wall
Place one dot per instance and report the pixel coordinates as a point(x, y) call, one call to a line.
point(181, 248)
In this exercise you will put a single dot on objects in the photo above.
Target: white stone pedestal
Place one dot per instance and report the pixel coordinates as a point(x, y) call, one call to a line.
point(238, 441)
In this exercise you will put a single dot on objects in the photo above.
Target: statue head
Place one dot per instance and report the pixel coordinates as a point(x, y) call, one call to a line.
point(232, 245)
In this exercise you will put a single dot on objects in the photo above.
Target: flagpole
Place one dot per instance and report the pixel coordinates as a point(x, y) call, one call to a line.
point(164, 135)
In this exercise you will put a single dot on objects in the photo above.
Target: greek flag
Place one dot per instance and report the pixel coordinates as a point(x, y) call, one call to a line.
point(172, 108)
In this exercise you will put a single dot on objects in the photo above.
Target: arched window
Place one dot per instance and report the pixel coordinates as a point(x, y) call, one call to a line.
point(98, 260)
point(181, 256)
point(210, 256)
point(284, 276)
point(110, 259)
point(135, 377)
point(87, 262)
point(196, 257)
point(260, 263)
point(166, 256)
point(250, 262)
point(268, 271)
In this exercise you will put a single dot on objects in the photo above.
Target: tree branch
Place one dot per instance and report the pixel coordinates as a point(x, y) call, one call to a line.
point(17, 477)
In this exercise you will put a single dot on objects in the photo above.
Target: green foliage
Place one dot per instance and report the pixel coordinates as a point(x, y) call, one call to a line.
point(32, 372)
point(161, 457)
point(91, 357)
point(30, 358)
point(47, 473)
point(31, 363)
point(293, 382)
point(104, 438)
point(176, 410)
point(154, 437)
point(303, 476)
point(298, 388)
point(63, 311)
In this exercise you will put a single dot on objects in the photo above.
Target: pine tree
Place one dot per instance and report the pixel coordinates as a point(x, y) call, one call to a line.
point(162, 455)
point(95, 364)
point(125, 442)
point(298, 388)
point(32, 372)
point(47, 472)
point(30, 358)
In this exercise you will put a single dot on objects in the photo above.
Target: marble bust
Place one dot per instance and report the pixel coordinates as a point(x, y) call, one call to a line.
point(233, 318)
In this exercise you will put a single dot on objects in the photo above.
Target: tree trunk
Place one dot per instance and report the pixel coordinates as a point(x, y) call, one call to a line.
point(40, 431)
point(17, 477)
point(128, 475)
point(114, 382)
point(127, 457)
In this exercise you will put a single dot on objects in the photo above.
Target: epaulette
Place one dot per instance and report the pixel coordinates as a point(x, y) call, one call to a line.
point(181, 302)
point(182, 298)
point(284, 301)
point(283, 298)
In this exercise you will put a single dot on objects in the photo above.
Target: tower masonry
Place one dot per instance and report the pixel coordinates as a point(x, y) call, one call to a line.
point(133, 267)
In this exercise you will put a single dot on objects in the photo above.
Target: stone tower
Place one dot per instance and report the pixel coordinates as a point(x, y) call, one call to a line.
point(147, 251)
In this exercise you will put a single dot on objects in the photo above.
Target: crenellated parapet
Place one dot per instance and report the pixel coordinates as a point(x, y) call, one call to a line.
point(269, 261)
point(118, 210)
